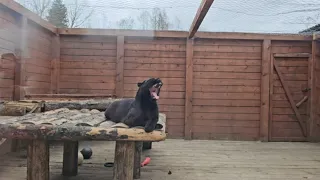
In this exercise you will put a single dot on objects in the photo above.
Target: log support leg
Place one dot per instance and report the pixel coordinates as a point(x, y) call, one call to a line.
point(137, 160)
point(38, 160)
point(70, 158)
point(124, 160)
point(147, 145)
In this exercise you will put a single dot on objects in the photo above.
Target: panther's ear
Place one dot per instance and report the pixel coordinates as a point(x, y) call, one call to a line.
point(140, 83)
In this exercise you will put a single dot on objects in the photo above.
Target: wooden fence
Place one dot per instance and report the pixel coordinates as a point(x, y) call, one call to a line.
point(216, 86)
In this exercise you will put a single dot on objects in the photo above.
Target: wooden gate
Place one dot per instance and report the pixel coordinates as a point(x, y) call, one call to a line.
point(289, 97)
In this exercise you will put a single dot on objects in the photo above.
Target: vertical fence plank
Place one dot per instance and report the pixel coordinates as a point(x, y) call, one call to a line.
point(313, 103)
point(55, 64)
point(265, 90)
point(22, 54)
point(120, 64)
point(309, 104)
point(188, 96)
point(270, 95)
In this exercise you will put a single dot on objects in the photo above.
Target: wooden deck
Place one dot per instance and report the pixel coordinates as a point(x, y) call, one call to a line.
point(221, 160)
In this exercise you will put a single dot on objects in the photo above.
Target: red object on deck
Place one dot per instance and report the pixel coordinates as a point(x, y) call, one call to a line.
point(146, 161)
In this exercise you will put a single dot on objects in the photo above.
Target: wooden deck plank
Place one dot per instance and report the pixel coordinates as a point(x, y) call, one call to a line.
point(223, 160)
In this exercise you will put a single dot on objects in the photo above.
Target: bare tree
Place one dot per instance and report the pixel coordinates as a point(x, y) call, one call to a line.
point(78, 14)
point(159, 19)
point(40, 7)
point(145, 20)
point(126, 23)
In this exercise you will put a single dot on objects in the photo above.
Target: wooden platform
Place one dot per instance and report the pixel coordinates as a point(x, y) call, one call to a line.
point(84, 124)
point(191, 160)
point(71, 126)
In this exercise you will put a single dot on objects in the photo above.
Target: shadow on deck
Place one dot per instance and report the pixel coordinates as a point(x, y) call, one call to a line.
point(194, 160)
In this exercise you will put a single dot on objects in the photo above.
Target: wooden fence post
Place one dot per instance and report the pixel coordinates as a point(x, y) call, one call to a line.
point(22, 54)
point(55, 64)
point(120, 64)
point(265, 89)
point(314, 99)
point(188, 96)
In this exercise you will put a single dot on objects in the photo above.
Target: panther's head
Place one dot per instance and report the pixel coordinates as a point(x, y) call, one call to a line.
point(150, 88)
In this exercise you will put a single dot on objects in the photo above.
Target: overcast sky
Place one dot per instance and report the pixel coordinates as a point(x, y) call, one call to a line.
point(269, 16)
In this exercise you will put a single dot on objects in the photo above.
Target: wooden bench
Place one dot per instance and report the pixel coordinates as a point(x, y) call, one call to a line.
point(72, 126)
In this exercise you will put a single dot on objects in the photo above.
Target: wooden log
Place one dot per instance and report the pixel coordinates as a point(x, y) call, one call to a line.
point(13, 111)
point(60, 117)
point(100, 105)
point(70, 158)
point(67, 97)
point(38, 160)
point(137, 160)
point(78, 133)
point(124, 160)
point(19, 108)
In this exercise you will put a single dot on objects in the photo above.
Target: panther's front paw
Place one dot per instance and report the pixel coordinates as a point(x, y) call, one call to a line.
point(148, 129)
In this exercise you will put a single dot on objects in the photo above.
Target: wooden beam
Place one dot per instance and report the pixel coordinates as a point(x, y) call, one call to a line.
point(32, 96)
point(120, 64)
point(121, 32)
point(265, 90)
point(201, 13)
point(55, 64)
point(183, 34)
point(253, 36)
point(28, 14)
point(188, 96)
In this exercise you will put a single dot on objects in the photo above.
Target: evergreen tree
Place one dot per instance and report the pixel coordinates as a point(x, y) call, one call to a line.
point(58, 14)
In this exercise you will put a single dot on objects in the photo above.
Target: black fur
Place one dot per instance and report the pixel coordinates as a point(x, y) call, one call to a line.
point(139, 111)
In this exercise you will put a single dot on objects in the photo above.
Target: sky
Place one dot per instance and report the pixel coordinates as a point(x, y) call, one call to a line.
point(259, 16)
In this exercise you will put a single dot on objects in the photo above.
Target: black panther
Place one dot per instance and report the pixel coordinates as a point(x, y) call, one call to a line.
point(139, 111)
